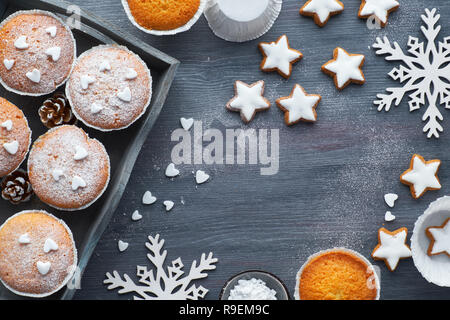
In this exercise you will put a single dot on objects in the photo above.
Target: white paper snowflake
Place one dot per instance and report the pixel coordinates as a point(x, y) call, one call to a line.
point(426, 72)
point(163, 286)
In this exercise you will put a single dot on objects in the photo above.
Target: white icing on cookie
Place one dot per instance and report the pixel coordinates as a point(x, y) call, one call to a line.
point(80, 153)
point(171, 171)
point(78, 182)
point(323, 8)
point(390, 199)
point(96, 108)
point(8, 63)
point(346, 67)
point(51, 31)
point(125, 94)
point(300, 106)
point(388, 216)
point(43, 267)
point(54, 53)
point(379, 8)
point(50, 245)
point(24, 239)
point(186, 123)
point(34, 75)
point(422, 176)
point(169, 205)
point(8, 125)
point(86, 81)
point(136, 216)
point(441, 236)
point(57, 174)
point(21, 43)
point(392, 248)
point(131, 74)
point(11, 147)
point(104, 66)
point(248, 99)
point(279, 56)
point(122, 245)
point(148, 198)
point(201, 177)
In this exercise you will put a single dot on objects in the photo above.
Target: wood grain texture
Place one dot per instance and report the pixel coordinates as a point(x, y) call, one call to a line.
point(333, 174)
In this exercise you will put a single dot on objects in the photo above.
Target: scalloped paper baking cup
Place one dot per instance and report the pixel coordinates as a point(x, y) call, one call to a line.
point(242, 20)
point(435, 269)
point(357, 254)
point(183, 28)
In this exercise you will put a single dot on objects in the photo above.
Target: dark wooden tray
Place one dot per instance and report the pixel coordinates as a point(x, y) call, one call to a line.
point(123, 146)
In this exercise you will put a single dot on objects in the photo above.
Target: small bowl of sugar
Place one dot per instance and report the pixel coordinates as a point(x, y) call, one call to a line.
point(254, 285)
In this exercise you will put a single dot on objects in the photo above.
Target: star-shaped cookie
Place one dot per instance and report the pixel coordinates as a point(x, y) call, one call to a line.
point(345, 68)
point(248, 100)
point(439, 239)
point(299, 106)
point(321, 10)
point(391, 247)
point(278, 56)
point(378, 8)
point(421, 176)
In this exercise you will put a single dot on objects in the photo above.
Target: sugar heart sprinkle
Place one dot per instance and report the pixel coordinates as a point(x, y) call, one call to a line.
point(136, 216)
point(21, 43)
point(186, 123)
point(78, 182)
point(8, 125)
point(148, 198)
point(11, 147)
point(34, 75)
point(201, 177)
point(125, 95)
point(169, 205)
point(50, 245)
point(8, 63)
point(80, 153)
point(122, 245)
point(54, 53)
point(51, 31)
point(43, 267)
point(390, 199)
point(389, 216)
point(171, 171)
point(24, 239)
point(57, 174)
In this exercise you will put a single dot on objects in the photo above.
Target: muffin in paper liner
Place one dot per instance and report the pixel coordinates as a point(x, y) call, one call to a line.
point(337, 249)
point(241, 20)
point(435, 269)
point(154, 32)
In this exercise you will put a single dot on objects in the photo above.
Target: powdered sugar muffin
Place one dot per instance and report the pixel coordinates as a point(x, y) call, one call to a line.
point(37, 52)
point(15, 137)
point(110, 87)
point(67, 169)
point(37, 254)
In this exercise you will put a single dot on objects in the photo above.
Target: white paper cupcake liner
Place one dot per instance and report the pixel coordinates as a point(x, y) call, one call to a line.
point(369, 265)
point(38, 94)
point(69, 275)
point(230, 29)
point(183, 28)
point(435, 269)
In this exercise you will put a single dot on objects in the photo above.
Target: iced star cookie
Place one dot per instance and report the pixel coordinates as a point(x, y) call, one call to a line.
point(37, 52)
point(37, 254)
point(278, 56)
point(321, 10)
point(421, 176)
point(378, 8)
point(15, 137)
point(391, 247)
point(248, 100)
point(299, 106)
point(439, 239)
point(67, 169)
point(110, 87)
point(345, 68)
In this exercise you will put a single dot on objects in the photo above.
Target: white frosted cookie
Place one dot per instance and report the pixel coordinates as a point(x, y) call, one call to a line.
point(439, 239)
point(345, 68)
point(378, 8)
point(391, 247)
point(321, 10)
point(421, 176)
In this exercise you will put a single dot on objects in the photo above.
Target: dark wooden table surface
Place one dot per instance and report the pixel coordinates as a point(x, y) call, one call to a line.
point(332, 177)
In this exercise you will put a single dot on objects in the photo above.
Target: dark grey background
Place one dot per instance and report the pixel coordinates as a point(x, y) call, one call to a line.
point(333, 174)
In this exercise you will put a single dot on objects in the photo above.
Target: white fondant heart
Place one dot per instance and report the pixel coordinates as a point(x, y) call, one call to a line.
point(80, 153)
point(21, 43)
point(96, 108)
point(390, 199)
point(201, 177)
point(86, 81)
point(131, 74)
point(78, 182)
point(57, 174)
point(8, 124)
point(389, 216)
point(104, 66)
point(24, 239)
point(34, 75)
point(8, 63)
point(50, 245)
point(148, 198)
point(171, 171)
point(125, 95)
point(54, 52)
point(43, 267)
point(136, 216)
point(51, 31)
point(186, 123)
point(122, 245)
point(12, 147)
point(169, 205)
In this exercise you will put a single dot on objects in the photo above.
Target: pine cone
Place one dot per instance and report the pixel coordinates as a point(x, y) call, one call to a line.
point(56, 111)
point(16, 187)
